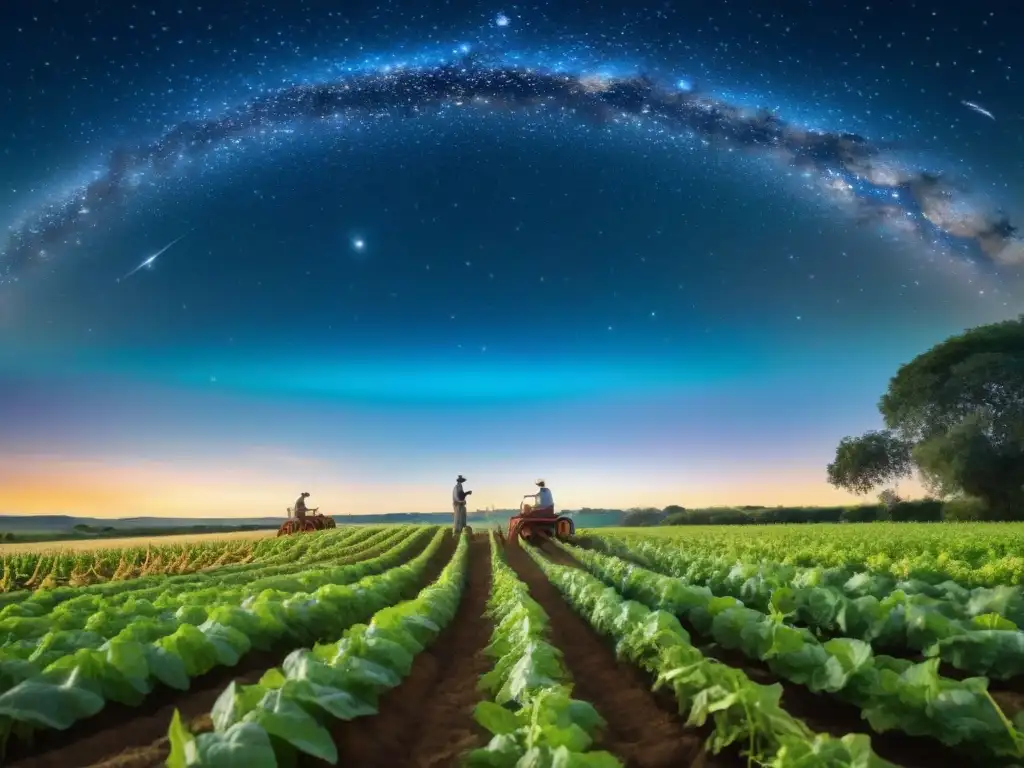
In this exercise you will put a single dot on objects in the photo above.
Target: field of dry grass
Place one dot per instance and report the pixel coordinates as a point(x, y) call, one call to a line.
point(94, 544)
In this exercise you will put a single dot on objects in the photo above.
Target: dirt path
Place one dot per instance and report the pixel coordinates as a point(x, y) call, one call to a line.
point(135, 737)
point(639, 732)
point(427, 722)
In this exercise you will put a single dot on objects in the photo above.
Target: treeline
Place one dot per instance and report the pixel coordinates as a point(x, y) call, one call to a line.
point(916, 511)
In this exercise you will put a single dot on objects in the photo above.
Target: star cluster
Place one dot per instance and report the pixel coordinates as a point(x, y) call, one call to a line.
point(522, 61)
point(851, 168)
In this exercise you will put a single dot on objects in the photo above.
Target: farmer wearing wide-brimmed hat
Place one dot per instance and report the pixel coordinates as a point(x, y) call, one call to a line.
point(545, 502)
point(459, 505)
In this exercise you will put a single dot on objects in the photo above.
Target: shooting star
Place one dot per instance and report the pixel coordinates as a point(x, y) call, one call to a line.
point(149, 262)
point(979, 109)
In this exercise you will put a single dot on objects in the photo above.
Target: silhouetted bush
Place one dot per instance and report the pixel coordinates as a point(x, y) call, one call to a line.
point(918, 511)
point(636, 518)
point(921, 511)
point(966, 508)
point(864, 514)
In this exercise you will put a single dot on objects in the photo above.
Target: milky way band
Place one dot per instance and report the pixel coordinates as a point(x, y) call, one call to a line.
point(853, 170)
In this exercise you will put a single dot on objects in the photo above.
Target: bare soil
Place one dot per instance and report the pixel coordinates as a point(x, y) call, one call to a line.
point(640, 732)
point(427, 722)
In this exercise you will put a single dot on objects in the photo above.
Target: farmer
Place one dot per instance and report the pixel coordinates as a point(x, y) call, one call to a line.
point(459, 505)
point(300, 509)
point(545, 504)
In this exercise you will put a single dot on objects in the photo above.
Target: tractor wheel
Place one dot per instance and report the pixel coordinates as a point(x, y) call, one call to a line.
point(565, 528)
point(288, 527)
point(329, 522)
point(529, 533)
point(309, 525)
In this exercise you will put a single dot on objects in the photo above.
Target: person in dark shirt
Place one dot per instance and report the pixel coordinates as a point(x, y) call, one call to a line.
point(459, 505)
point(300, 509)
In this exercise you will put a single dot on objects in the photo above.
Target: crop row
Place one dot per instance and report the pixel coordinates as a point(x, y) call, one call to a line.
point(529, 711)
point(324, 547)
point(740, 711)
point(50, 568)
point(290, 709)
point(971, 554)
point(892, 693)
point(75, 672)
point(533, 719)
point(966, 628)
point(531, 715)
point(267, 553)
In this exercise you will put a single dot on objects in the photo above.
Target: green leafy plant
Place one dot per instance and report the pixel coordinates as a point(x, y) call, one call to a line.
point(169, 642)
point(533, 719)
point(892, 694)
point(966, 628)
point(741, 712)
point(286, 713)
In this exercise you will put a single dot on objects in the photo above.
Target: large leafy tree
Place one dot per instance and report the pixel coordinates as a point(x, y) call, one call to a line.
point(960, 407)
point(866, 462)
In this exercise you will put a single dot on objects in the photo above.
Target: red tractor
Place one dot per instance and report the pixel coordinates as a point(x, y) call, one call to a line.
point(537, 526)
point(314, 522)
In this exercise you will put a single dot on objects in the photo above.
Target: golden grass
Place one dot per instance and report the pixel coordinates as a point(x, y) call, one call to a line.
point(85, 545)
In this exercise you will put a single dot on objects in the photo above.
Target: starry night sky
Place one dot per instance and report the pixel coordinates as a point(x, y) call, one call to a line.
point(550, 240)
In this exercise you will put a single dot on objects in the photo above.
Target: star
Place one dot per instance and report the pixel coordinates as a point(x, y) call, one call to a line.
point(358, 244)
point(501, 20)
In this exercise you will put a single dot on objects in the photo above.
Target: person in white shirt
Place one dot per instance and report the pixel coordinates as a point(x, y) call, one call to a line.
point(545, 501)
point(459, 505)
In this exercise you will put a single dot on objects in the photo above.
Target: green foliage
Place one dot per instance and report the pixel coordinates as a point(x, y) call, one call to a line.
point(532, 716)
point(737, 710)
point(865, 514)
point(965, 554)
point(957, 413)
point(866, 462)
point(64, 659)
point(286, 713)
point(979, 371)
point(966, 509)
point(911, 614)
point(966, 459)
point(892, 693)
point(889, 498)
point(769, 515)
point(916, 511)
point(642, 517)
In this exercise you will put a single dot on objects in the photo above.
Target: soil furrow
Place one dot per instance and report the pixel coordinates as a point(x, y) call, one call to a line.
point(427, 722)
point(1008, 693)
point(135, 737)
point(639, 731)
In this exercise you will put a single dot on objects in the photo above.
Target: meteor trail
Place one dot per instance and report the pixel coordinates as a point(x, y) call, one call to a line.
point(154, 257)
point(979, 109)
point(861, 175)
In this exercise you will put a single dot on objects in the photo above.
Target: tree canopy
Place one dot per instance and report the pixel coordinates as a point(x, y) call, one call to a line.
point(956, 412)
point(866, 462)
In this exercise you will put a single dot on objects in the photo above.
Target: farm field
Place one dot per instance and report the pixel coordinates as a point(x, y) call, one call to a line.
point(130, 541)
point(786, 646)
